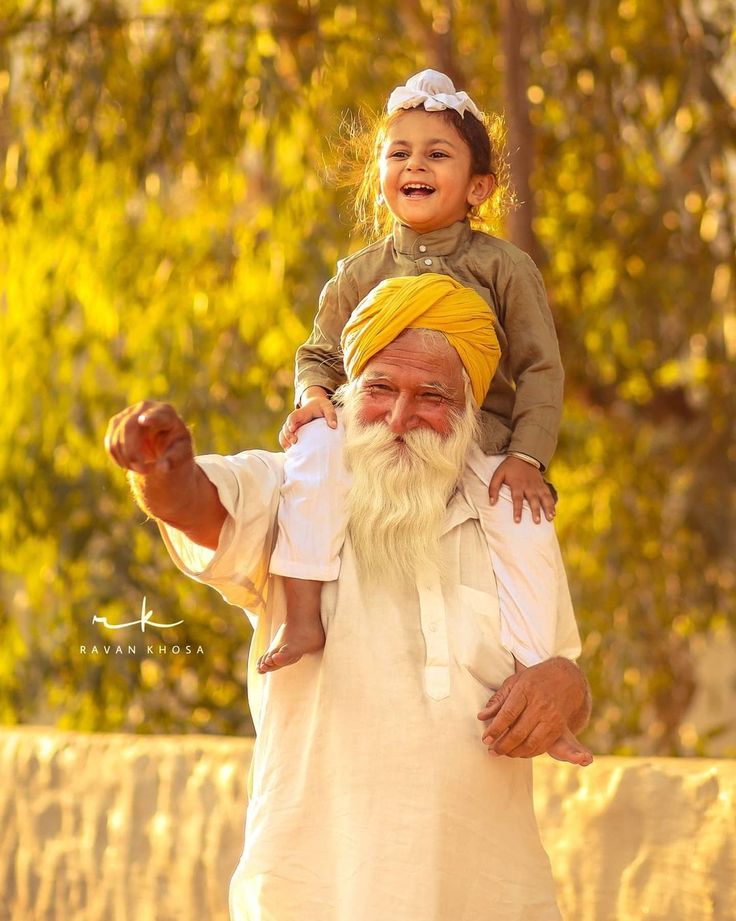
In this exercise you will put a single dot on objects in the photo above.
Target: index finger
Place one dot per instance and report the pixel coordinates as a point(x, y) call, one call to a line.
point(495, 485)
point(331, 415)
point(514, 737)
point(510, 711)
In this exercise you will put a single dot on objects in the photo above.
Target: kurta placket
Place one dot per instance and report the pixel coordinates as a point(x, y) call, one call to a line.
point(433, 610)
point(433, 619)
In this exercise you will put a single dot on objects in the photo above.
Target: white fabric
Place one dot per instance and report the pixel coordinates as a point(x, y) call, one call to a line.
point(373, 796)
point(537, 616)
point(432, 91)
point(311, 520)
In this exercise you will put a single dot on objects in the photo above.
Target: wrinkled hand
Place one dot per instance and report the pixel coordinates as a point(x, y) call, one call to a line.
point(532, 708)
point(148, 437)
point(525, 482)
point(315, 407)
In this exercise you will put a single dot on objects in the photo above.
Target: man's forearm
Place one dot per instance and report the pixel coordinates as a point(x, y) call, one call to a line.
point(183, 498)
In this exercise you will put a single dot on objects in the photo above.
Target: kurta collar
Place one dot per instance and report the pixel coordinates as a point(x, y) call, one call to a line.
point(440, 242)
point(459, 510)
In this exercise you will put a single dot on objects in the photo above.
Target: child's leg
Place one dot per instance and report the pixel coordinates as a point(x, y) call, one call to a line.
point(301, 631)
point(311, 533)
point(526, 565)
point(537, 620)
point(566, 748)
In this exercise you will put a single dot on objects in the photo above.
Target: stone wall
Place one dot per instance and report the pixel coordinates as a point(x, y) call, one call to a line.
point(143, 828)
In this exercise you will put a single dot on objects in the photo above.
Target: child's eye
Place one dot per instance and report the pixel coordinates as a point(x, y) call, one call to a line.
point(398, 155)
point(438, 154)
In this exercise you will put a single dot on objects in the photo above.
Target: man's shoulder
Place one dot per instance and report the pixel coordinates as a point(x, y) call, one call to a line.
point(250, 473)
point(253, 459)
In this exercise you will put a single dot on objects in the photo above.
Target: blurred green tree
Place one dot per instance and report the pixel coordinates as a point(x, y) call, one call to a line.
point(166, 229)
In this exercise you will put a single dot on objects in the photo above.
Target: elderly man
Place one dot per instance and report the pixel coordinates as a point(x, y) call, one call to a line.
point(373, 795)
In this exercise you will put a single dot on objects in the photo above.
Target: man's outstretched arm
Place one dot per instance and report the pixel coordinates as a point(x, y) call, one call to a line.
point(153, 444)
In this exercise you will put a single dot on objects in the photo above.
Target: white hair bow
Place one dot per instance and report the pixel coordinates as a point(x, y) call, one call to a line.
point(433, 91)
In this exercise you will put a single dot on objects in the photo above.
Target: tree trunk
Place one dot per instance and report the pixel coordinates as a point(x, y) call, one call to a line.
point(514, 31)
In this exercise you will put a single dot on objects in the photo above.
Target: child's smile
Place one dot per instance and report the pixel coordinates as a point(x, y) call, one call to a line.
point(416, 190)
point(425, 172)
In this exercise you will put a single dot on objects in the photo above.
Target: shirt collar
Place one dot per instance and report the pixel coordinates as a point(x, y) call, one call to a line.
point(440, 242)
point(459, 510)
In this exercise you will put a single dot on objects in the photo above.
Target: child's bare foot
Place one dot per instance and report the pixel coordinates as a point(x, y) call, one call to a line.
point(301, 631)
point(567, 748)
point(291, 643)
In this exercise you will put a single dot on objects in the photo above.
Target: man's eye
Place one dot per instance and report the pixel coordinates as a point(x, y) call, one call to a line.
point(434, 397)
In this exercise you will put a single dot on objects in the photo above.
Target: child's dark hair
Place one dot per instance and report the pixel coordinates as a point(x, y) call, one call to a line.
point(361, 149)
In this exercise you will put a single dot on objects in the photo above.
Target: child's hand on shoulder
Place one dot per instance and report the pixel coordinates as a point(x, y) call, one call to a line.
point(525, 482)
point(315, 405)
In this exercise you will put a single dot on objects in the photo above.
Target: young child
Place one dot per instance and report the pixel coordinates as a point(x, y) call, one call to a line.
point(433, 172)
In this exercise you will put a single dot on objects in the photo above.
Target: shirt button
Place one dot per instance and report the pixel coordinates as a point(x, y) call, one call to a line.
point(422, 248)
point(428, 262)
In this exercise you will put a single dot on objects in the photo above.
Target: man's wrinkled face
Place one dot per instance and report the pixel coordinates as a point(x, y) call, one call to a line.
point(408, 427)
point(408, 386)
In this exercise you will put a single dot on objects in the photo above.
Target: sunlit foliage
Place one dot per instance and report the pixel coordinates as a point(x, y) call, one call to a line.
point(166, 229)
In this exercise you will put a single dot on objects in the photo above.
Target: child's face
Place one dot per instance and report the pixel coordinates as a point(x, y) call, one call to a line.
point(425, 172)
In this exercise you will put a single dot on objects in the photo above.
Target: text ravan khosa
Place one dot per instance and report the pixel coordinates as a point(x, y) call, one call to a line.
point(151, 649)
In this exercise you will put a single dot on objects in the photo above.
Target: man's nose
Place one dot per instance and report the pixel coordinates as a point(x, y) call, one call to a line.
point(400, 418)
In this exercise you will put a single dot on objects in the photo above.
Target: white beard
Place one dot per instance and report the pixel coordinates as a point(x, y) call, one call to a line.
point(397, 503)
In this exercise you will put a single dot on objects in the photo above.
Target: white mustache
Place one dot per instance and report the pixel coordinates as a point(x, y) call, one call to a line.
point(401, 486)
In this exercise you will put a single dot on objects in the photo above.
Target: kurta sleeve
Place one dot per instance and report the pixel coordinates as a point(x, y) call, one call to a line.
point(319, 360)
point(533, 361)
point(248, 486)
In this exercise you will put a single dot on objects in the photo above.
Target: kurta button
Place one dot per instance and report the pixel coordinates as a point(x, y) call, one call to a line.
point(422, 248)
point(428, 262)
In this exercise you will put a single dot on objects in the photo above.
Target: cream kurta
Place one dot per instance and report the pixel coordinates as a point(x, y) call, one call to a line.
point(373, 797)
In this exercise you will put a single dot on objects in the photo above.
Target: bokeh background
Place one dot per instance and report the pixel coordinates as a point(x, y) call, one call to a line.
point(171, 207)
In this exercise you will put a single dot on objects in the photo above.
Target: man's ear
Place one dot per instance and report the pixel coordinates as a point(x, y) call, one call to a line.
point(480, 188)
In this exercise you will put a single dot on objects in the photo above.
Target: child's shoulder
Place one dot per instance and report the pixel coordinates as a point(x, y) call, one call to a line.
point(502, 250)
point(373, 251)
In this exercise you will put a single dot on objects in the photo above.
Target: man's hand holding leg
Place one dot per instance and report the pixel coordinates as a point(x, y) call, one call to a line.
point(535, 707)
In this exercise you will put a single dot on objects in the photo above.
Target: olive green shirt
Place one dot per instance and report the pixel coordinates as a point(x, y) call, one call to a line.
point(523, 407)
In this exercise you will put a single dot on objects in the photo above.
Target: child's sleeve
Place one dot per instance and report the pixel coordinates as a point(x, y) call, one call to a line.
point(319, 359)
point(533, 361)
point(311, 516)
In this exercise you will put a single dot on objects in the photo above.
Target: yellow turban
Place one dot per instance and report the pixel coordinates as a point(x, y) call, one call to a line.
point(425, 302)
